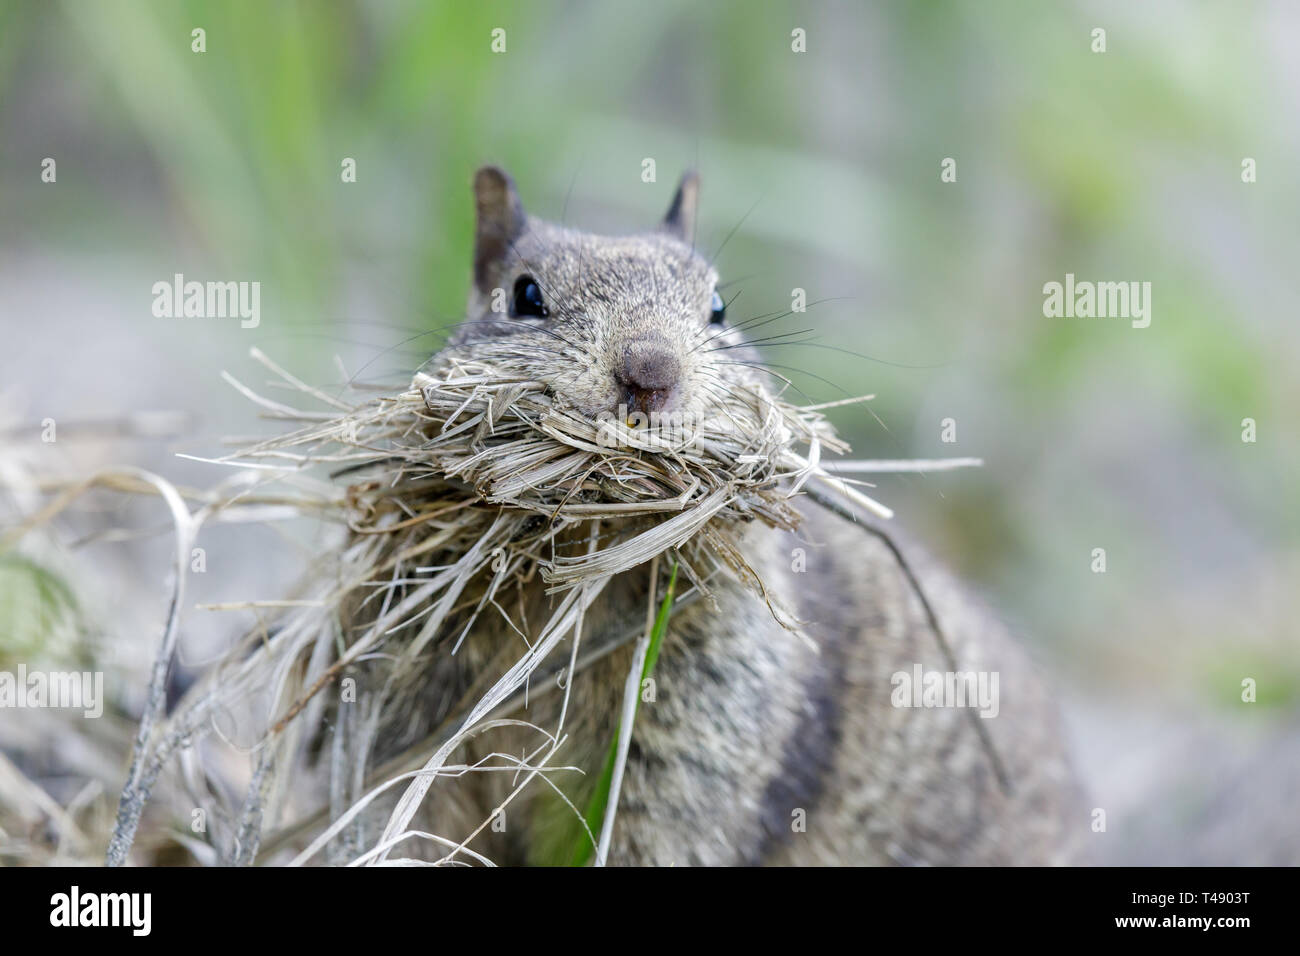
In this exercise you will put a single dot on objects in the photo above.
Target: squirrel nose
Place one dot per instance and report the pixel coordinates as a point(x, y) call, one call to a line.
point(649, 372)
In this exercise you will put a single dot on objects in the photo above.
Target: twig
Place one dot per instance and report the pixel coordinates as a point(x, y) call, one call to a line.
point(136, 791)
point(882, 465)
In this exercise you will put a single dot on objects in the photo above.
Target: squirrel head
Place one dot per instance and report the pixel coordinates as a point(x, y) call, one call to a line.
point(631, 324)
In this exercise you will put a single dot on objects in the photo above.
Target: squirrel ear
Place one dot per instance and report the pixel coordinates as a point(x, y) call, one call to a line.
point(680, 220)
point(500, 218)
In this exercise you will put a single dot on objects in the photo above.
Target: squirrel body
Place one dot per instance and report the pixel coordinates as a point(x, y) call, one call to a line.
point(763, 744)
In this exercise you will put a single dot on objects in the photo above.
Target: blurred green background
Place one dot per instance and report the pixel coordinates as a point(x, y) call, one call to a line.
point(1116, 166)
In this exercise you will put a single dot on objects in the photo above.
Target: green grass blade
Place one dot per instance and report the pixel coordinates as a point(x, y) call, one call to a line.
point(595, 815)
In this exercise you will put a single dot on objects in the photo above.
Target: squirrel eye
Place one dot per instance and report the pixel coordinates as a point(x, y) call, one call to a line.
point(719, 309)
point(527, 301)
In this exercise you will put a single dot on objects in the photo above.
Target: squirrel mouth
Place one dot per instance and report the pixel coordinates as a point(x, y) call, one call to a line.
point(646, 401)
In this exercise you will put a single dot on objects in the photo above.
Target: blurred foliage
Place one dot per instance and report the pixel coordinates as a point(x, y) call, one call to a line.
point(1119, 166)
point(38, 615)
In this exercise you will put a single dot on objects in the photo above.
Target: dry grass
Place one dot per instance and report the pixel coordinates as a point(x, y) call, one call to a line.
point(459, 494)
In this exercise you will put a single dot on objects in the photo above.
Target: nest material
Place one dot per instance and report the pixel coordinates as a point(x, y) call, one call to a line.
point(469, 485)
point(471, 453)
point(475, 481)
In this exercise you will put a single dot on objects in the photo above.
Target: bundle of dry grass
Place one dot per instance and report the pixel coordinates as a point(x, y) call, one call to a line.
point(477, 456)
point(457, 495)
point(466, 488)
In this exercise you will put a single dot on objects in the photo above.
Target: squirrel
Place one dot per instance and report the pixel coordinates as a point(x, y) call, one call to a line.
point(763, 745)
